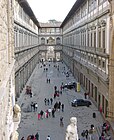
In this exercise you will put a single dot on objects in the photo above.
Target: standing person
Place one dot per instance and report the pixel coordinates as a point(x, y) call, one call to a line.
point(85, 94)
point(55, 87)
point(53, 113)
point(62, 107)
point(86, 134)
point(45, 100)
point(39, 116)
point(49, 111)
point(41, 113)
point(51, 101)
point(48, 138)
point(36, 106)
point(22, 138)
point(37, 136)
point(61, 121)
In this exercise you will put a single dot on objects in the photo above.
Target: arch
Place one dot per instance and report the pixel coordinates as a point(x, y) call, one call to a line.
point(58, 40)
point(42, 40)
point(51, 40)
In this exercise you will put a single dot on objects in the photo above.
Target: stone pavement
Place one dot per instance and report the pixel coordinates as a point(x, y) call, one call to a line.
point(51, 126)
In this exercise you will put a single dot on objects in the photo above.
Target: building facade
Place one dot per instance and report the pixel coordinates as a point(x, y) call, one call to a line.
point(50, 40)
point(87, 50)
point(7, 61)
point(26, 43)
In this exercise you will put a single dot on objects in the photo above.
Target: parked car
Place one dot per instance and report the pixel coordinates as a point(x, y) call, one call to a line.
point(70, 85)
point(80, 102)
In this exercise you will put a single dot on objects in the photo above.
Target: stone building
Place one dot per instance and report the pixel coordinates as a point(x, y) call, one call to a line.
point(50, 40)
point(88, 49)
point(26, 43)
point(84, 41)
point(7, 61)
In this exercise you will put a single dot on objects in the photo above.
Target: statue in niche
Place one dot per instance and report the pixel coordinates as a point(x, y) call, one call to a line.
point(16, 112)
point(71, 131)
point(14, 135)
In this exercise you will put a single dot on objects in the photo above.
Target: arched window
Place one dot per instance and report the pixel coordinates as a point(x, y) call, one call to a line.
point(42, 40)
point(51, 40)
point(58, 40)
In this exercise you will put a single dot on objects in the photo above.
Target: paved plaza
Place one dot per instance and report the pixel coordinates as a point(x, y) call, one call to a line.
point(41, 90)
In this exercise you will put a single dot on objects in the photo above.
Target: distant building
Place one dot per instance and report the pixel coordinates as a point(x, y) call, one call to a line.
point(50, 40)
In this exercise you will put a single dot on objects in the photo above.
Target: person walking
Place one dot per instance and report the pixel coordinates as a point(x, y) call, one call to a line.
point(22, 138)
point(39, 116)
point(37, 136)
point(41, 113)
point(36, 106)
point(45, 100)
point(48, 138)
point(62, 107)
point(51, 101)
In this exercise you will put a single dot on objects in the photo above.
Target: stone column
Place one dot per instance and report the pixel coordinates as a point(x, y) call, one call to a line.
point(111, 62)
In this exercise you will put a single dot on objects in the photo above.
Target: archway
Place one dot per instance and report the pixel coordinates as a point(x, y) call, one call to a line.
point(51, 40)
point(50, 55)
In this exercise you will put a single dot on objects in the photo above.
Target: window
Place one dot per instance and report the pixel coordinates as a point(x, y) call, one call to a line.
point(88, 39)
point(104, 40)
point(99, 38)
point(95, 60)
point(99, 62)
point(92, 59)
point(42, 40)
point(94, 39)
point(91, 39)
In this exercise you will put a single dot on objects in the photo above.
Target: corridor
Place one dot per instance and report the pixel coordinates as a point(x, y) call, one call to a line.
point(41, 89)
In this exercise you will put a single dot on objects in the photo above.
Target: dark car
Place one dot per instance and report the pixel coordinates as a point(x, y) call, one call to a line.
point(80, 102)
point(70, 85)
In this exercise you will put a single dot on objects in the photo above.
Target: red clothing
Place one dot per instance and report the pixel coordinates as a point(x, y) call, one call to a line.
point(39, 116)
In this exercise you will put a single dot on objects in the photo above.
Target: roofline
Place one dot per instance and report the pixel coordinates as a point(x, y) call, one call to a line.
point(76, 5)
point(29, 11)
point(49, 27)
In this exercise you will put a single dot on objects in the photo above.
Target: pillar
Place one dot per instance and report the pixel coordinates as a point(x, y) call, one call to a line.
point(111, 62)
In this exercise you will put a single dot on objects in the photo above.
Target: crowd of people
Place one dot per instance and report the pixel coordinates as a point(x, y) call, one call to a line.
point(52, 106)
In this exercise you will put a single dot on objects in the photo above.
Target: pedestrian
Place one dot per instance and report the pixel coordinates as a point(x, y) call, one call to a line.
point(86, 134)
point(49, 80)
point(36, 106)
point(61, 87)
point(48, 138)
point(55, 87)
point(29, 137)
point(53, 113)
point(51, 101)
point(32, 137)
point(61, 121)
point(39, 116)
point(54, 95)
point(62, 107)
point(49, 111)
point(37, 136)
point(85, 94)
point(45, 101)
point(41, 113)
point(22, 138)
